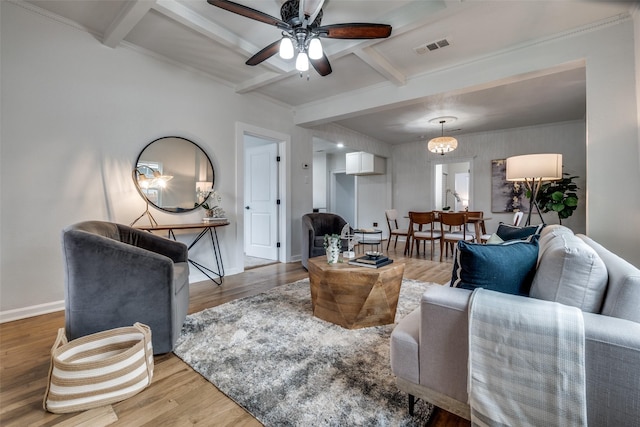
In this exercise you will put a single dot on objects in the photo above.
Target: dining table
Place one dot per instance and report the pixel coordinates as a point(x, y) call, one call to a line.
point(477, 222)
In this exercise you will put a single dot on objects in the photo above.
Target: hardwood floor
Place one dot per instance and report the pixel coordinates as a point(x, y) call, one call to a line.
point(178, 395)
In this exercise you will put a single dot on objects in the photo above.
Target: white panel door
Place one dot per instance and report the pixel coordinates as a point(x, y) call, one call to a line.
point(261, 209)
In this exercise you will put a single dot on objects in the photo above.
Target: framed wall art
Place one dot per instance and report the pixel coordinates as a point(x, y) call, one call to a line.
point(506, 196)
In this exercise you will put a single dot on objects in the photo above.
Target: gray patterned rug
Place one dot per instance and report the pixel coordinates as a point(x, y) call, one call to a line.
point(287, 368)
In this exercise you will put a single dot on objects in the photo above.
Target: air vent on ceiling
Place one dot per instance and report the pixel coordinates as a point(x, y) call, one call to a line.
point(431, 46)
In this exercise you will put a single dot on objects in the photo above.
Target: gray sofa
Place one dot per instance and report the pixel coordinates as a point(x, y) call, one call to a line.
point(314, 227)
point(116, 275)
point(429, 347)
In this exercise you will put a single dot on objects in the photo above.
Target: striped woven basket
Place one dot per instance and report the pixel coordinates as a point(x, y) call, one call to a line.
point(98, 369)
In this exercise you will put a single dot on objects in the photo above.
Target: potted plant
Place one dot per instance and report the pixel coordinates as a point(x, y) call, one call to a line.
point(211, 206)
point(559, 196)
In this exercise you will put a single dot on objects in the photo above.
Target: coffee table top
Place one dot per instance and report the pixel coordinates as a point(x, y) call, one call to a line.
point(320, 262)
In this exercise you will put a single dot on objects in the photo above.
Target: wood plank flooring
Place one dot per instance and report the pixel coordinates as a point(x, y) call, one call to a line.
point(178, 395)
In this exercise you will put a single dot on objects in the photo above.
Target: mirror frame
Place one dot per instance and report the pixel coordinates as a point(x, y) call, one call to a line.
point(166, 209)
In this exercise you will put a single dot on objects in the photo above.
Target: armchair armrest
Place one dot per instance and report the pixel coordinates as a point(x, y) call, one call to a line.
point(444, 346)
point(612, 358)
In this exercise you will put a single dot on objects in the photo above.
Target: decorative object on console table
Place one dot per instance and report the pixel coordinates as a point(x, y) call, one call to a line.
point(213, 209)
point(332, 245)
point(533, 169)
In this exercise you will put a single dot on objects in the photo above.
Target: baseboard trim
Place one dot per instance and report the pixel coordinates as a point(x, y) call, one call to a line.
point(31, 311)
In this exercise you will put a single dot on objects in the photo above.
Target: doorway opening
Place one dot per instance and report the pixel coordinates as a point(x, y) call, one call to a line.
point(452, 186)
point(262, 197)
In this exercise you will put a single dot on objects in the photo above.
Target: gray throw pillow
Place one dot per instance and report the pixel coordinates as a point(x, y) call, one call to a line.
point(570, 272)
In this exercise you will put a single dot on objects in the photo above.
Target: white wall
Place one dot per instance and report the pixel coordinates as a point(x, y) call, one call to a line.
point(75, 115)
point(320, 182)
point(414, 164)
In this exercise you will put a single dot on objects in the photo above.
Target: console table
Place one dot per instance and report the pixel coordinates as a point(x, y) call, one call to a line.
point(371, 237)
point(207, 227)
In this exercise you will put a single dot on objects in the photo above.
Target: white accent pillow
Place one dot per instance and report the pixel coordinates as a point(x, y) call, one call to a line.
point(570, 272)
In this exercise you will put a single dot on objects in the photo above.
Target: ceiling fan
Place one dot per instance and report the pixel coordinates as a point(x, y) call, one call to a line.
point(301, 32)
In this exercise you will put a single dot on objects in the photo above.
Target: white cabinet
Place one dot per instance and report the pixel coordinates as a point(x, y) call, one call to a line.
point(361, 163)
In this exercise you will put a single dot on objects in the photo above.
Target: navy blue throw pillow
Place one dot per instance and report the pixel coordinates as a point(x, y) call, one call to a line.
point(511, 232)
point(507, 267)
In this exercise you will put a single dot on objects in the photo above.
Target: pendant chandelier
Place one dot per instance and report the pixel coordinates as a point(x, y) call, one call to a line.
point(443, 144)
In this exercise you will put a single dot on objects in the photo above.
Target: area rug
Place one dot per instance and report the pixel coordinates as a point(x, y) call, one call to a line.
point(288, 368)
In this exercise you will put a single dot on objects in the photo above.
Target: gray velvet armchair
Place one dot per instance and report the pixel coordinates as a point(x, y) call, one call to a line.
point(116, 275)
point(314, 227)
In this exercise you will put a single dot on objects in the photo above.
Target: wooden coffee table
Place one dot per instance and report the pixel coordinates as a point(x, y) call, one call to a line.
point(354, 297)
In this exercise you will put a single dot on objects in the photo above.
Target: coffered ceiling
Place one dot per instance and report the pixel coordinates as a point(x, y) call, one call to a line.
point(217, 42)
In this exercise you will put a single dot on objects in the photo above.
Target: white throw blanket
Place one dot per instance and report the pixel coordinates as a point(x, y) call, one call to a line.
point(526, 362)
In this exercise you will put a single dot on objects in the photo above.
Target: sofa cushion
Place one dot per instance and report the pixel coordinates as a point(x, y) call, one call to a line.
point(571, 273)
point(511, 232)
point(622, 298)
point(506, 267)
point(549, 233)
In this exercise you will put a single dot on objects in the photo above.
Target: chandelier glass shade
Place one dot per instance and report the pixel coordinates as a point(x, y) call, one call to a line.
point(306, 44)
point(442, 144)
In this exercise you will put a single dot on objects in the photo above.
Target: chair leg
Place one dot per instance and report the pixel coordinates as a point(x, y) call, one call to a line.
point(395, 244)
point(389, 241)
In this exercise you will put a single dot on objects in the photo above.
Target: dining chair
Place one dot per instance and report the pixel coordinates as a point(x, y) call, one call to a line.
point(392, 223)
point(450, 235)
point(475, 219)
point(421, 229)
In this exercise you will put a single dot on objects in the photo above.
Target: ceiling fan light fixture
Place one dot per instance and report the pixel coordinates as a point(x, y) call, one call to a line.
point(286, 48)
point(302, 62)
point(315, 48)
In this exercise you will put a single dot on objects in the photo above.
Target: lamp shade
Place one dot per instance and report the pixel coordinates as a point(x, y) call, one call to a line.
point(442, 144)
point(544, 167)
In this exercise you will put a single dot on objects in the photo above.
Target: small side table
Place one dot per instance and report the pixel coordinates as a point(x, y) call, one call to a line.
point(370, 237)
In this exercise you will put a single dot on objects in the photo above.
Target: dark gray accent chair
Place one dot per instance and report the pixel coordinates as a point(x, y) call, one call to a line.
point(314, 227)
point(117, 275)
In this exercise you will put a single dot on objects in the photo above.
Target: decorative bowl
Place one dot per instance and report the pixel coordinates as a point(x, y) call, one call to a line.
point(373, 254)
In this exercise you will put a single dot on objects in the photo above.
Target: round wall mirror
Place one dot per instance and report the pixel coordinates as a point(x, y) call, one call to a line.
point(174, 174)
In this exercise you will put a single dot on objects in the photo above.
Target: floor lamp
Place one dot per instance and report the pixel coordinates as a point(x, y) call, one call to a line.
point(533, 169)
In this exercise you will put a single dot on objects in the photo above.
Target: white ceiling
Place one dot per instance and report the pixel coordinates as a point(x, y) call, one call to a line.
point(217, 42)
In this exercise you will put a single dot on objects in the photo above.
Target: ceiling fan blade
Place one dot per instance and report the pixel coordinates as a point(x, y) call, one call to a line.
point(264, 54)
point(355, 30)
point(249, 13)
point(321, 65)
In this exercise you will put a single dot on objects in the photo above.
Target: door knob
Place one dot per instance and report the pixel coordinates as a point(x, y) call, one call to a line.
point(246, 207)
